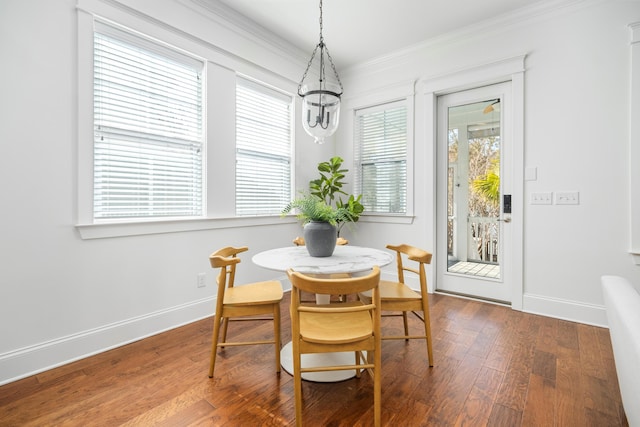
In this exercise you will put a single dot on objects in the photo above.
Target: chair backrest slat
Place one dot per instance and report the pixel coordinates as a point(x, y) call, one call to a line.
point(342, 286)
point(335, 308)
point(412, 253)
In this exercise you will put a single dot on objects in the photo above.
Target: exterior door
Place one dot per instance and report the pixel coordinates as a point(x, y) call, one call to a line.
point(474, 193)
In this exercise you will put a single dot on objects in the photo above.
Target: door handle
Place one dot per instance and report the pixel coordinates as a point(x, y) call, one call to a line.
point(505, 220)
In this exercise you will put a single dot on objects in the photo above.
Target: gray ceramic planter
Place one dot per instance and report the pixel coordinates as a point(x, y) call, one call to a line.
point(320, 238)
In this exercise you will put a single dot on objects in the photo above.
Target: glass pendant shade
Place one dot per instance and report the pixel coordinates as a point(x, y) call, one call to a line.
point(320, 110)
point(321, 100)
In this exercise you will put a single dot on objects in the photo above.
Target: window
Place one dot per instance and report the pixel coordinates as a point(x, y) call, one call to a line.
point(148, 132)
point(381, 157)
point(263, 149)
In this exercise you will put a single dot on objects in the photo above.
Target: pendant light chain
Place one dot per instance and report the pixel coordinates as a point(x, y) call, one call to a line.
point(323, 48)
point(320, 102)
point(321, 38)
point(333, 67)
point(304, 76)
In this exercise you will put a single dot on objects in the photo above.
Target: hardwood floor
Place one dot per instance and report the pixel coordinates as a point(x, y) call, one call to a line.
point(493, 366)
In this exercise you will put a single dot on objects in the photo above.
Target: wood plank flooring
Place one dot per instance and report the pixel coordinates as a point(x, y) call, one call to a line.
point(493, 367)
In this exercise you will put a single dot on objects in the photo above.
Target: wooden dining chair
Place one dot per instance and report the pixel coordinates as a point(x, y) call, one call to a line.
point(343, 327)
point(299, 241)
point(242, 302)
point(396, 296)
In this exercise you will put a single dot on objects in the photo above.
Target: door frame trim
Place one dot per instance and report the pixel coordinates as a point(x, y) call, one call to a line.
point(499, 289)
point(510, 69)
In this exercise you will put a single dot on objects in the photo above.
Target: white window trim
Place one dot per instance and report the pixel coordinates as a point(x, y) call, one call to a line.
point(89, 227)
point(101, 231)
point(403, 91)
point(217, 217)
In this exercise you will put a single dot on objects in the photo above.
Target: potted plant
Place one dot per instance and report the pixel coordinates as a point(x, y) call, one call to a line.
point(322, 220)
point(330, 184)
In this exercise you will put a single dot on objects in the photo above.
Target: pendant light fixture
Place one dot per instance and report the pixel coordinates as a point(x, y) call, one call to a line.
point(321, 100)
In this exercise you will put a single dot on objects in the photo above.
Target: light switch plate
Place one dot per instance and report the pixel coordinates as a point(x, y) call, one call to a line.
point(541, 198)
point(567, 198)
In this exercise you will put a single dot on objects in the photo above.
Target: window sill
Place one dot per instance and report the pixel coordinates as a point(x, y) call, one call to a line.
point(140, 228)
point(389, 219)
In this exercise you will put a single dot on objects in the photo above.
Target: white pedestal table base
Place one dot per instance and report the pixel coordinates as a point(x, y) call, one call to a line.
point(319, 359)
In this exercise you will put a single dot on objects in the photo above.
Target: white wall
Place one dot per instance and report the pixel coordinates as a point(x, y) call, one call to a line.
point(576, 125)
point(62, 297)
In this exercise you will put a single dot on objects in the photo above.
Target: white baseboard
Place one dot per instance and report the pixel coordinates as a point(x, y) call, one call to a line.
point(31, 360)
point(574, 311)
point(34, 359)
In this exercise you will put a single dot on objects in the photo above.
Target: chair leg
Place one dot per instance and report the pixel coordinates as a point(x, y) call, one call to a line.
point(427, 331)
point(214, 343)
point(276, 333)
point(297, 387)
point(377, 388)
point(406, 325)
point(225, 326)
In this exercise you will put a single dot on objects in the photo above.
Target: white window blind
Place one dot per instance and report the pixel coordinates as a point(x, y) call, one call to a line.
point(381, 157)
point(263, 149)
point(148, 137)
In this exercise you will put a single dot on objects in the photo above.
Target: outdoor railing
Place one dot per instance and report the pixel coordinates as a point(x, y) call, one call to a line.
point(483, 237)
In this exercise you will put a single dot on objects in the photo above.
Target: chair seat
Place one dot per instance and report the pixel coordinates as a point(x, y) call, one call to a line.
point(396, 296)
point(336, 328)
point(260, 292)
point(394, 291)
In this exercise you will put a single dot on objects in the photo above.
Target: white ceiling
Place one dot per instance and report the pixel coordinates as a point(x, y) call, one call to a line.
point(359, 30)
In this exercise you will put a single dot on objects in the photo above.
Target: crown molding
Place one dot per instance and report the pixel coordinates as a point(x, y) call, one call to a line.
point(247, 28)
point(497, 24)
point(250, 53)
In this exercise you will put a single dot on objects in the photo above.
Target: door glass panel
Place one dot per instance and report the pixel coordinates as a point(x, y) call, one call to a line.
point(473, 189)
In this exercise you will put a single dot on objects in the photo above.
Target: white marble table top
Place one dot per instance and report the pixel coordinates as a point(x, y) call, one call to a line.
point(345, 259)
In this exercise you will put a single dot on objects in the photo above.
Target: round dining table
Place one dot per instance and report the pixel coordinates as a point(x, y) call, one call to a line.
point(345, 259)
